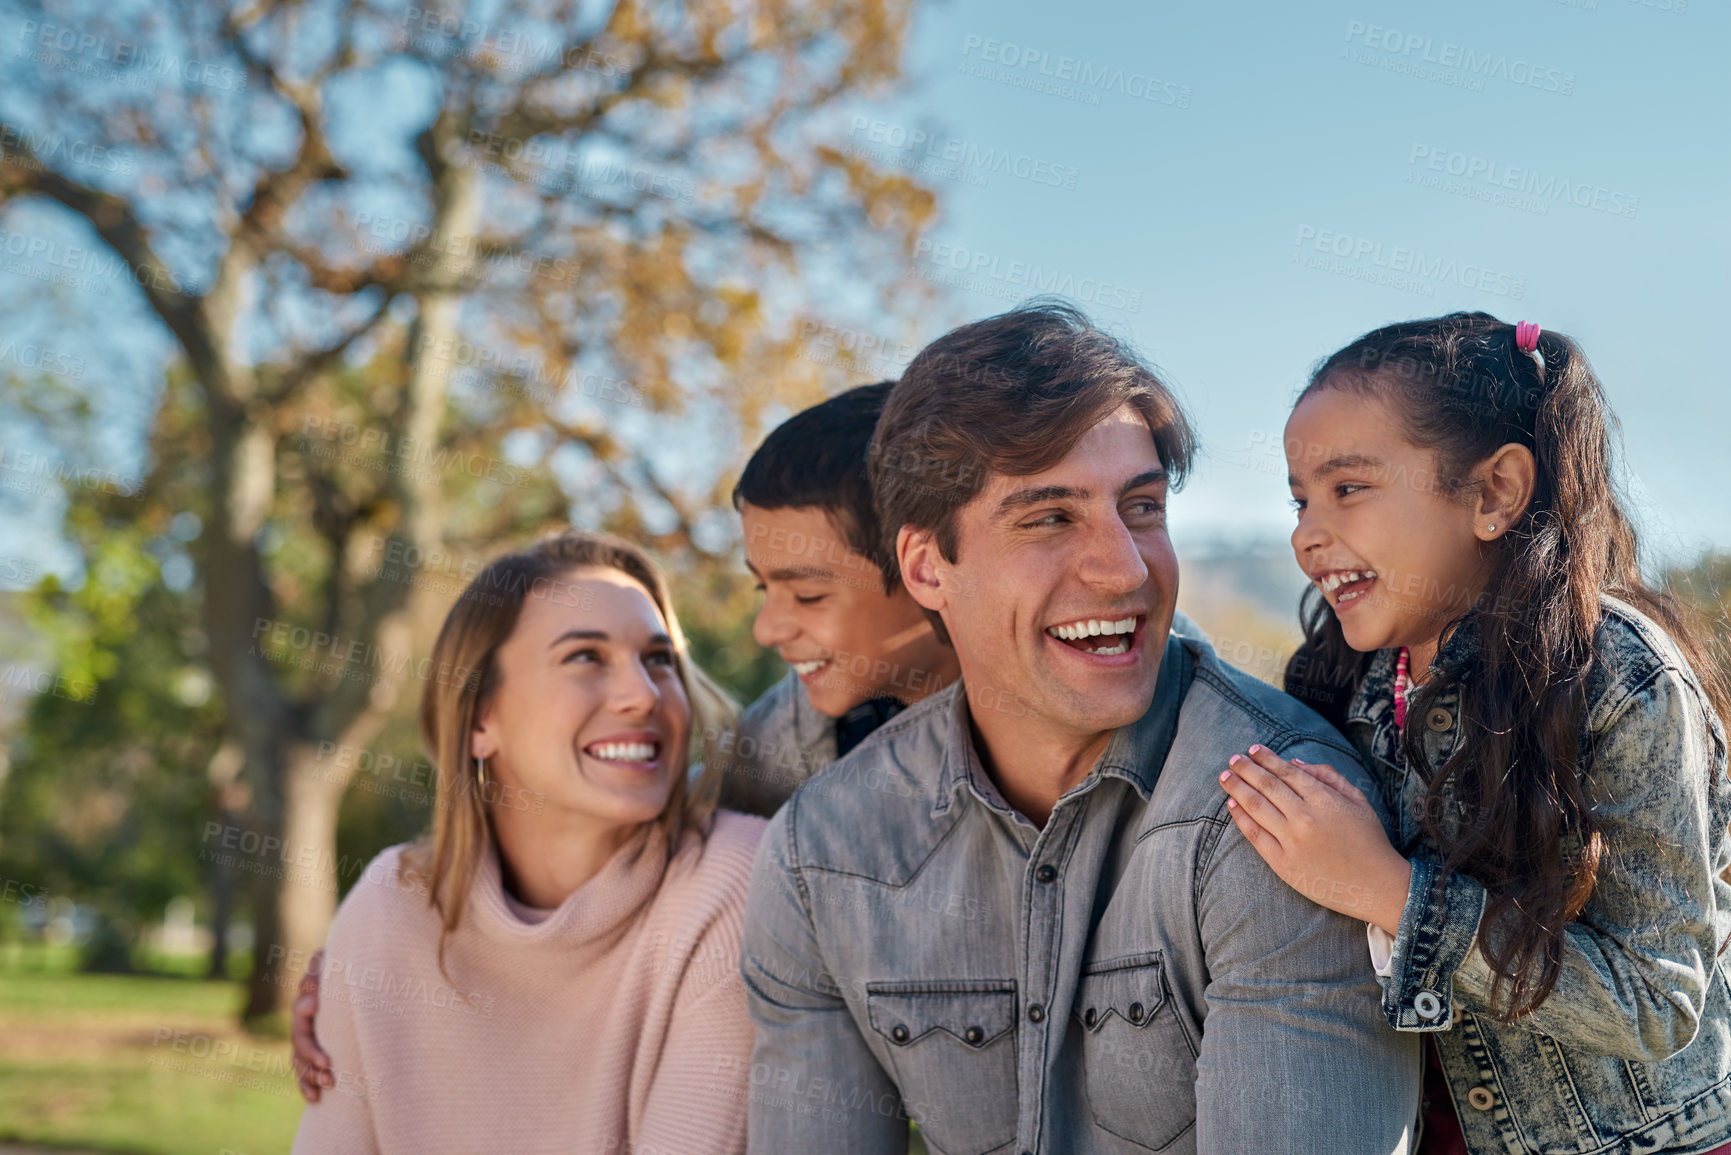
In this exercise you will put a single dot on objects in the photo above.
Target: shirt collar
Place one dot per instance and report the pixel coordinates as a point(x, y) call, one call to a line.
point(1134, 753)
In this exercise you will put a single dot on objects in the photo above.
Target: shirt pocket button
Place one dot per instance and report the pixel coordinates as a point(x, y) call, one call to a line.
point(974, 1036)
point(900, 1033)
point(1481, 1098)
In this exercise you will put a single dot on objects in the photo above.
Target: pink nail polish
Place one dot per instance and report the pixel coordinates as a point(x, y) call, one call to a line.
point(1225, 774)
point(1255, 749)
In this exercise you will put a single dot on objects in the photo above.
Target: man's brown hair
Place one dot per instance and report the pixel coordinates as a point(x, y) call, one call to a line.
point(1010, 394)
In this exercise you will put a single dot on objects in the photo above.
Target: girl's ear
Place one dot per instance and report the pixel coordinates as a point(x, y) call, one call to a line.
point(917, 555)
point(1508, 477)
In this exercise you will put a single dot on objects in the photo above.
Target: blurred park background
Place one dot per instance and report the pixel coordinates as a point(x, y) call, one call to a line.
point(309, 308)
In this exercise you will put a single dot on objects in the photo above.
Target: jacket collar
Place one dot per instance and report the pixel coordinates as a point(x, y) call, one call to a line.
point(1134, 753)
point(1375, 694)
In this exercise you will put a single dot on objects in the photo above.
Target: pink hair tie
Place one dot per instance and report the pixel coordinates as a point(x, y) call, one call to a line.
point(1527, 337)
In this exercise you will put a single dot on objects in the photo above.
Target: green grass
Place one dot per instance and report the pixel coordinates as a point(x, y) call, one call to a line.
point(133, 1063)
point(112, 1063)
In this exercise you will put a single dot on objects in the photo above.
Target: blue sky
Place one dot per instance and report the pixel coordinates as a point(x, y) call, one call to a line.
point(1241, 188)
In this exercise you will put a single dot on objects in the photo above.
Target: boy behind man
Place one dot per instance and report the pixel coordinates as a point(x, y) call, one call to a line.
point(861, 649)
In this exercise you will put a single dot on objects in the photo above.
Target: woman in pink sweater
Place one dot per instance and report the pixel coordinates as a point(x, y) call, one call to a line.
point(556, 968)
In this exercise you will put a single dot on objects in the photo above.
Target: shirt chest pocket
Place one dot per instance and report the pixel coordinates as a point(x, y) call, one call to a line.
point(952, 1049)
point(1139, 1064)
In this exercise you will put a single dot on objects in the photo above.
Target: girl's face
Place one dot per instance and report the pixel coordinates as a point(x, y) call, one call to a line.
point(1393, 552)
point(589, 712)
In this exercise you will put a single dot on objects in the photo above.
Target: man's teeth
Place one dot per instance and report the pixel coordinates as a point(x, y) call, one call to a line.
point(804, 668)
point(623, 751)
point(1093, 628)
point(1333, 581)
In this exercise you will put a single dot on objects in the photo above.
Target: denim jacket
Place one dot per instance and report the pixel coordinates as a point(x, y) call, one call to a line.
point(1632, 1050)
point(1131, 977)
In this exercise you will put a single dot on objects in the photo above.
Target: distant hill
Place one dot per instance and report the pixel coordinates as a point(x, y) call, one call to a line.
point(1245, 597)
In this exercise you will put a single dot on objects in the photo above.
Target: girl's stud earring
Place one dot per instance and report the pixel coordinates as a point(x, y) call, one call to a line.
point(1490, 529)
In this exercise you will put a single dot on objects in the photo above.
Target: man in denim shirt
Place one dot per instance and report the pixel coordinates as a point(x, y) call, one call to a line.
point(1018, 912)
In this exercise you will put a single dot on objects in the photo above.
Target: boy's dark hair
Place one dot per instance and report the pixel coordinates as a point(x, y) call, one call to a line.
point(816, 459)
point(1462, 389)
point(1010, 394)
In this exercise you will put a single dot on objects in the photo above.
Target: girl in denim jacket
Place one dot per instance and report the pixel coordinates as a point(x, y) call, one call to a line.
point(1549, 730)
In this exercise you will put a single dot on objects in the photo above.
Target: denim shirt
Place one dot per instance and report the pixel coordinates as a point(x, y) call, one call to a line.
point(1131, 977)
point(1632, 1050)
point(781, 740)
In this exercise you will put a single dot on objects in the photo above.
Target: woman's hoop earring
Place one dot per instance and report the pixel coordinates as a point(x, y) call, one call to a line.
point(481, 773)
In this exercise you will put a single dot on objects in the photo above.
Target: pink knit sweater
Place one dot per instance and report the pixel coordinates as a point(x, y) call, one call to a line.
point(615, 1024)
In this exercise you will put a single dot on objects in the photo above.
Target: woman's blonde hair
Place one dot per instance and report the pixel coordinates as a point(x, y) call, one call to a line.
point(465, 659)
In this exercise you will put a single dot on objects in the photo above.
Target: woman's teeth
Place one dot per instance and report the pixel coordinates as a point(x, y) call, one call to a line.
point(1094, 627)
point(812, 667)
point(1334, 581)
point(623, 751)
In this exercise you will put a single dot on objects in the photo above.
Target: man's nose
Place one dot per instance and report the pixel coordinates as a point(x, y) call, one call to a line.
point(1110, 558)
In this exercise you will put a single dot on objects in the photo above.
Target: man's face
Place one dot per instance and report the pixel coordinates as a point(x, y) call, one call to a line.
point(1065, 582)
point(826, 613)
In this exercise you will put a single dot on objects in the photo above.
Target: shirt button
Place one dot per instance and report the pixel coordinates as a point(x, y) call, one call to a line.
point(974, 1035)
point(1439, 719)
point(1036, 1013)
point(1481, 1098)
point(899, 1034)
point(1091, 1017)
point(1135, 1012)
point(1046, 873)
point(1428, 1006)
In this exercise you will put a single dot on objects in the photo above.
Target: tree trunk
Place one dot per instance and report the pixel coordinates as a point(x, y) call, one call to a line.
point(300, 804)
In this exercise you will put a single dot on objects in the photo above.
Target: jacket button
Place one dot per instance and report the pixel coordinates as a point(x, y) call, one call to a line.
point(1046, 873)
point(899, 1034)
point(1136, 1012)
point(1428, 1006)
point(1439, 719)
point(1091, 1017)
point(1480, 1098)
point(1036, 1013)
point(974, 1036)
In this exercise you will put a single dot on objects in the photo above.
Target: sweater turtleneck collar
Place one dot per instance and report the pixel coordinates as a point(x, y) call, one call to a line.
point(593, 912)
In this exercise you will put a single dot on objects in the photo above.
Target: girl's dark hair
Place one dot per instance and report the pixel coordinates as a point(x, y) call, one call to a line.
point(1526, 832)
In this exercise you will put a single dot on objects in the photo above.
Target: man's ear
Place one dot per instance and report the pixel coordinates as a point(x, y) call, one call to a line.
point(917, 555)
point(1508, 478)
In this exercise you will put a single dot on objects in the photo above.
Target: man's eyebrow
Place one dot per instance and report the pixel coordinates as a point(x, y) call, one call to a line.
point(1342, 461)
point(1152, 477)
point(1036, 494)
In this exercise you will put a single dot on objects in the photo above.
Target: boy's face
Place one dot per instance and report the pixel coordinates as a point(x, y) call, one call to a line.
point(825, 612)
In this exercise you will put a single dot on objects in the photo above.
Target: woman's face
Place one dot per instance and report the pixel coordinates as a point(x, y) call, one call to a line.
point(588, 713)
